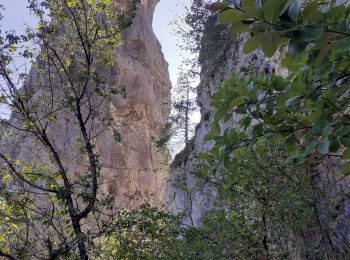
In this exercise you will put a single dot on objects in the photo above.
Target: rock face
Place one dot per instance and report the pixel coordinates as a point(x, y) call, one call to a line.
point(133, 171)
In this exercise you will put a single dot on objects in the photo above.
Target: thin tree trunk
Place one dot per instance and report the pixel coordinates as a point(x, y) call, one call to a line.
point(81, 241)
point(187, 115)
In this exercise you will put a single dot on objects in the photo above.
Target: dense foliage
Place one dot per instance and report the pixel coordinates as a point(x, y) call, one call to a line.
point(308, 109)
point(263, 209)
point(262, 206)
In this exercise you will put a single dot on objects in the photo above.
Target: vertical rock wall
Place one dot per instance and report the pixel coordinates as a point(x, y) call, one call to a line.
point(134, 168)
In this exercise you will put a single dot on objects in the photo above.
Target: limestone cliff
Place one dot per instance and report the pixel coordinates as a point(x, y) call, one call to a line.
point(132, 170)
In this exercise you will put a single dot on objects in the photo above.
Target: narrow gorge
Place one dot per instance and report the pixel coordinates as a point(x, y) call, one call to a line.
point(83, 174)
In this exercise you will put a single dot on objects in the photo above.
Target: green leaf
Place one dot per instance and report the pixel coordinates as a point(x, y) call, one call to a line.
point(232, 136)
point(274, 139)
point(270, 43)
point(312, 13)
point(253, 43)
point(345, 169)
point(321, 127)
point(216, 151)
point(271, 10)
point(311, 148)
point(237, 102)
point(209, 136)
point(220, 113)
point(345, 141)
point(216, 96)
point(311, 32)
point(343, 25)
point(294, 62)
point(246, 122)
point(334, 145)
point(249, 6)
point(323, 147)
point(239, 28)
point(13, 48)
point(342, 45)
point(52, 117)
point(258, 129)
point(228, 164)
point(230, 16)
point(278, 83)
point(227, 117)
point(297, 88)
point(324, 46)
point(295, 46)
point(260, 148)
point(344, 130)
point(336, 13)
point(346, 154)
point(215, 128)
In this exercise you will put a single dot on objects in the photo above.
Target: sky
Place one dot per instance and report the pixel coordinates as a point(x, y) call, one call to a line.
point(16, 15)
point(166, 12)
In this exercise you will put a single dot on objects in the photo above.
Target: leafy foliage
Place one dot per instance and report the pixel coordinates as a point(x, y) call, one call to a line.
point(263, 206)
point(143, 233)
point(308, 109)
point(179, 129)
point(263, 209)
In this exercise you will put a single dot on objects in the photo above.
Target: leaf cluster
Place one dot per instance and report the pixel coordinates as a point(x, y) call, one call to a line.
point(308, 109)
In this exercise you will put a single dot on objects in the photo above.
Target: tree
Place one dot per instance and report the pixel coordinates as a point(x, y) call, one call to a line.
point(184, 104)
point(143, 233)
point(201, 39)
point(47, 211)
point(263, 208)
point(197, 40)
point(307, 110)
point(306, 113)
